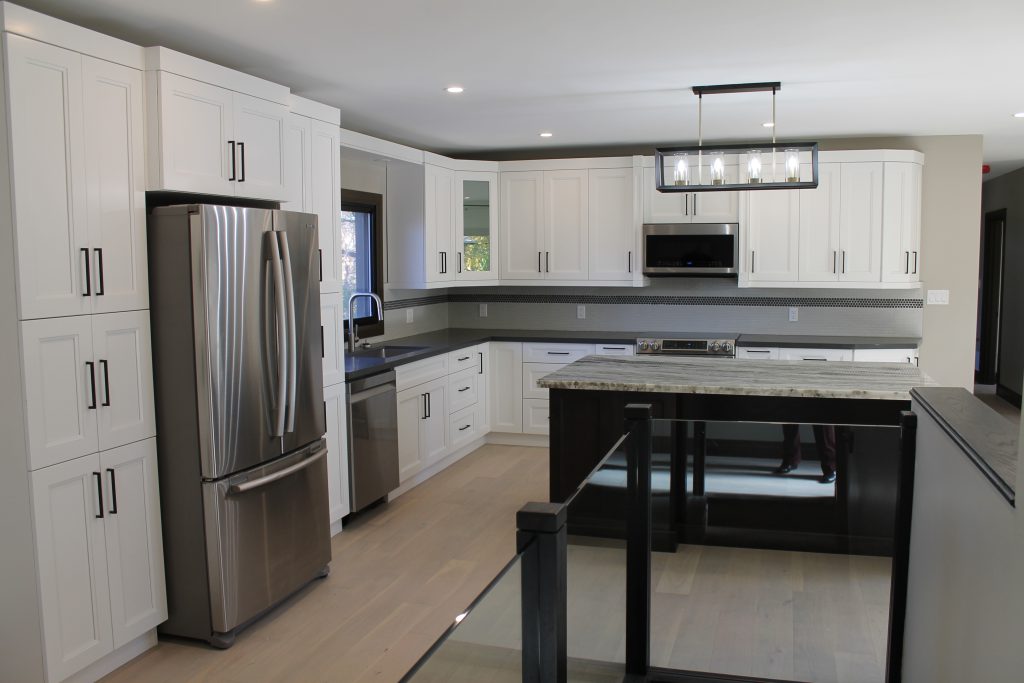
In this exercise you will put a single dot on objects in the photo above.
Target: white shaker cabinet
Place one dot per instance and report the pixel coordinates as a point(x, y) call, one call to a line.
point(901, 220)
point(439, 203)
point(613, 229)
point(259, 132)
point(124, 378)
point(325, 200)
point(720, 206)
point(566, 222)
point(522, 225)
point(773, 243)
point(475, 233)
point(332, 337)
point(819, 226)
point(434, 437)
point(860, 223)
point(505, 397)
point(690, 207)
point(336, 411)
point(412, 409)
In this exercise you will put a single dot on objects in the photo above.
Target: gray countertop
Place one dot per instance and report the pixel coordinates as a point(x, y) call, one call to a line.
point(809, 379)
point(985, 436)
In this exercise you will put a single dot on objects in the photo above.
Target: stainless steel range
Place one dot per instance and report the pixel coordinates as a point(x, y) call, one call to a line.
point(720, 346)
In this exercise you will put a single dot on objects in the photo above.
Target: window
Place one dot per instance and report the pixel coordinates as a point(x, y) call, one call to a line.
point(362, 257)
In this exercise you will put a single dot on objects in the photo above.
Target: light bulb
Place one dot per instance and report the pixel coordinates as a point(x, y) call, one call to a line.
point(792, 166)
point(754, 166)
point(717, 169)
point(682, 172)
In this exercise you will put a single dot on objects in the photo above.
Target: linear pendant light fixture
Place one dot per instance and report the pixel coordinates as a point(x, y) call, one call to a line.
point(742, 166)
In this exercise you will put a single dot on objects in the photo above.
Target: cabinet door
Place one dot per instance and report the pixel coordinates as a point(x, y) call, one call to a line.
point(135, 556)
point(412, 410)
point(439, 202)
point(664, 207)
point(901, 222)
point(325, 200)
point(717, 207)
point(484, 403)
point(49, 188)
point(434, 429)
point(758, 353)
point(332, 338)
point(476, 225)
point(773, 225)
point(819, 227)
point(297, 164)
point(124, 377)
point(860, 223)
point(567, 225)
point(464, 426)
point(906, 355)
point(532, 372)
point(116, 182)
point(337, 451)
point(505, 396)
point(816, 354)
point(259, 133)
point(61, 389)
point(536, 416)
point(71, 550)
point(613, 229)
point(196, 125)
point(522, 225)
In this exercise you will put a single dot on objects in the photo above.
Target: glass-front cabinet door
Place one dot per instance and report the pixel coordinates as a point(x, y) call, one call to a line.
point(476, 222)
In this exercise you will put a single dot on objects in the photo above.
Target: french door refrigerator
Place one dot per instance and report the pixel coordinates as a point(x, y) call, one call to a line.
point(237, 346)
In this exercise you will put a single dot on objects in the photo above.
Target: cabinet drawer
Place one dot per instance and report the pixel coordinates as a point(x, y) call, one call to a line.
point(535, 416)
point(626, 349)
point(555, 353)
point(816, 354)
point(532, 372)
point(464, 426)
point(421, 371)
point(464, 389)
point(462, 359)
point(907, 355)
point(758, 352)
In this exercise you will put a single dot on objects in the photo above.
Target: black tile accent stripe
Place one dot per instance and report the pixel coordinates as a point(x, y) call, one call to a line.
point(651, 300)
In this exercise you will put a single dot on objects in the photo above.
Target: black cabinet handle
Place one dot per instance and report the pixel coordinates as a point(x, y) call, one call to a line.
point(88, 273)
point(752, 253)
point(233, 174)
point(321, 253)
point(322, 348)
point(241, 152)
point(99, 493)
point(629, 261)
point(428, 404)
point(547, 261)
point(915, 263)
point(906, 266)
point(99, 265)
point(481, 353)
point(614, 348)
point(464, 389)
point(424, 415)
point(464, 358)
point(538, 263)
point(113, 490)
point(834, 254)
point(106, 383)
point(844, 260)
point(460, 260)
point(444, 262)
point(462, 429)
point(558, 353)
point(92, 384)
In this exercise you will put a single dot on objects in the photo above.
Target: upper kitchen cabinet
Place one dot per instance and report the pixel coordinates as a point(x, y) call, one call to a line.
point(522, 225)
point(476, 225)
point(689, 207)
point(773, 237)
point(567, 224)
point(213, 130)
point(901, 222)
point(79, 200)
point(438, 222)
point(613, 224)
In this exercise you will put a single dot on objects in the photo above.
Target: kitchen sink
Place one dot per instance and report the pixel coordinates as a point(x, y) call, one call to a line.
point(387, 352)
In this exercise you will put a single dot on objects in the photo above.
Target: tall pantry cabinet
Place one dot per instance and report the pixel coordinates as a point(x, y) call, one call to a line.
point(82, 553)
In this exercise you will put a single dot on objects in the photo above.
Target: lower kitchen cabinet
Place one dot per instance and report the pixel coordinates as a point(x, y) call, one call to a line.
point(815, 354)
point(422, 426)
point(100, 554)
point(465, 426)
point(506, 387)
point(535, 415)
point(336, 412)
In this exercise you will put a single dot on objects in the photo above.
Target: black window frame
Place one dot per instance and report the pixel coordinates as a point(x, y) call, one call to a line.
point(368, 202)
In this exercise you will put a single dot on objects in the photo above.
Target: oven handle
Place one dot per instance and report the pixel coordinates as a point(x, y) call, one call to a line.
point(277, 476)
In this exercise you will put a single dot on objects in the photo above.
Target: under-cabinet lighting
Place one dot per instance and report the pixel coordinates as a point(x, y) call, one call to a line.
point(454, 89)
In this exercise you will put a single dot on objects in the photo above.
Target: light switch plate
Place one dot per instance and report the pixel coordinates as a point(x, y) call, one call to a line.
point(483, 310)
point(938, 297)
point(581, 312)
point(409, 314)
point(794, 314)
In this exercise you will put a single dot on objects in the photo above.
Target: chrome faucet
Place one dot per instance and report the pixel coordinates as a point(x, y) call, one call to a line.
point(352, 316)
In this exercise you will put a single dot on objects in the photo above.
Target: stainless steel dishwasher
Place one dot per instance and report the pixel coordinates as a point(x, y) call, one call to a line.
point(372, 438)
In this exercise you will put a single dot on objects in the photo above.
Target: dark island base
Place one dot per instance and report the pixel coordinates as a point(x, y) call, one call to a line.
point(858, 520)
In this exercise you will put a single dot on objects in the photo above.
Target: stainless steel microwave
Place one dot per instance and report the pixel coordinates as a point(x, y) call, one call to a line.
point(691, 249)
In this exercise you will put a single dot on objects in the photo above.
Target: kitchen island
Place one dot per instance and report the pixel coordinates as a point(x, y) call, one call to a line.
point(863, 400)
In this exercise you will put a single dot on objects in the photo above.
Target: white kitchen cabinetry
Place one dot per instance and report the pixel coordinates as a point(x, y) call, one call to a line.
point(88, 384)
point(815, 354)
point(613, 224)
point(475, 237)
point(332, 338)
point(439, 203)
point(901, 222)
point(757, 353)
point(690, 207)
point(624, 349)
point(819, 226)
point(539, 360)
point(463, 389)
point(522, 225)
point(903, 355)
point(536, 413)
point(336, 411)
point(860, 222)
point(506, 387)
point(97, 522)
point(422, 426)
point(773, 236)
point(434, 428)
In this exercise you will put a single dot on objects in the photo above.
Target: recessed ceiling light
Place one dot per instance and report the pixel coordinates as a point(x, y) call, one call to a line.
point(1019, 115)
point(454, 89)
point(768, 124)
point(546, 135)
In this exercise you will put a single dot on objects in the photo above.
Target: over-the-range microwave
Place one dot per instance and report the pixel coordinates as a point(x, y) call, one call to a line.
point(691, 249)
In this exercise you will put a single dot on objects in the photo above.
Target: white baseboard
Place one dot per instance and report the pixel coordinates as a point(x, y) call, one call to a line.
point(115, 659)
point(509, 439)
point(445, 462)
point(335, 527)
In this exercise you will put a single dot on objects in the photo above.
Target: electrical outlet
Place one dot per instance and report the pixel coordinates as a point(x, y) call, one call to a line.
point(581, 312)
point(794, 314)
point(409, 314)
point(938, 297)
point(483, 310)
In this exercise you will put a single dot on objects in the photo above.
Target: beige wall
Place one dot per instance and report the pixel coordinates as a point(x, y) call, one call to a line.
point(950, 243)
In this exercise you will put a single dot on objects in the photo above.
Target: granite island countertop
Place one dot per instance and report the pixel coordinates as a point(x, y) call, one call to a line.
point(675, 375)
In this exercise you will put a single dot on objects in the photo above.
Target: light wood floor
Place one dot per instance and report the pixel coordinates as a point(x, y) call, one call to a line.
point(398, 578)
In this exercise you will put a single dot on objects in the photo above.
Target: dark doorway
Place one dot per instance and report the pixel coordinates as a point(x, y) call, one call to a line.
point(990, 297)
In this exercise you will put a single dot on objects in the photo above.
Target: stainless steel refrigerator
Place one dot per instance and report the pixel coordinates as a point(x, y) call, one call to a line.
point(237, 349)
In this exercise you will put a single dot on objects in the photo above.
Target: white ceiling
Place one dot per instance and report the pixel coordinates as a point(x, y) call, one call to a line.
point(611, 72)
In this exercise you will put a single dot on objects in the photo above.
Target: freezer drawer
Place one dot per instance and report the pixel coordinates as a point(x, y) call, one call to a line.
point(267, 534)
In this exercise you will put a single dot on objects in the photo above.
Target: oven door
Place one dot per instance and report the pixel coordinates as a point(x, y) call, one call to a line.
point(704, 249)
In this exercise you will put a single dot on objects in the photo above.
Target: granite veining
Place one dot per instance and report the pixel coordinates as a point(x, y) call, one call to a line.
point(988, 439)
point(675, 375)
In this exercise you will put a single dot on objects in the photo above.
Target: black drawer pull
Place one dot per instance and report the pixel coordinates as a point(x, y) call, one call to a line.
point(464, 389)
point(106, 383)
point(464, 358)
point(113, 491)
point(92, 384)
point(99, 492)
point(462, 429)
point(558, 353)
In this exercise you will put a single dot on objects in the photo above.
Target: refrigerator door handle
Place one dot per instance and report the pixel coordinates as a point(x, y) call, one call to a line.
point(278, 475)
point(282, 336)
point(293, 357)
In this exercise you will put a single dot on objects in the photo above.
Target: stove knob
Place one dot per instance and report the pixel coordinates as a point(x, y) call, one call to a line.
point(644, 346)
point(714, 346)
point(727, 347)
point(655, 346)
